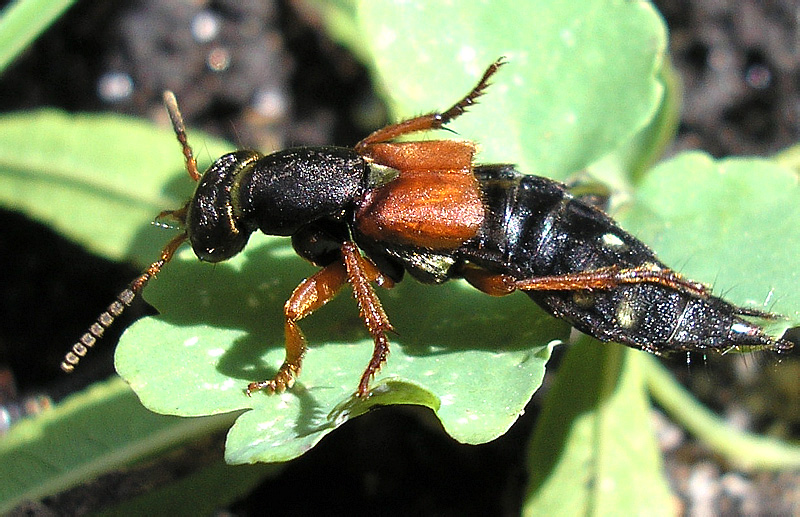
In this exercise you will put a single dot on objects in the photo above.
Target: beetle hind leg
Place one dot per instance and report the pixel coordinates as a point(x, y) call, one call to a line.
point(612, 277)
point(604, 278)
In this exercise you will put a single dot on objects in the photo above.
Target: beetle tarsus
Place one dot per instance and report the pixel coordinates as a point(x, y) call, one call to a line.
point(434, 120)
point(283, 379)
point(470, 99)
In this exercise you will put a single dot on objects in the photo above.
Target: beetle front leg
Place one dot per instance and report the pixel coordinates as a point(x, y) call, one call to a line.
point(310, 295)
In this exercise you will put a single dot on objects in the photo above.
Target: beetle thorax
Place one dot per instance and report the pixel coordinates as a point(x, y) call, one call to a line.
point(286, 190)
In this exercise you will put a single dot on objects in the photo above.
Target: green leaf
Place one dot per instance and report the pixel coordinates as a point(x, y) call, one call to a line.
point(790, 158)
point(474, 360)
point(581, 78)
point(85, 435)
point(620, 169)
point(22, 22)
point(98, 179)
point(593, 451)
point(731, 223)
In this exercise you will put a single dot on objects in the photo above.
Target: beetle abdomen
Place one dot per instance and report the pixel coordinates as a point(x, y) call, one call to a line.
point(537, 228)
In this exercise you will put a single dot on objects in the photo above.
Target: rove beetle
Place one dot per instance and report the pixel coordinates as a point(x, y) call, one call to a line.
point(370, 213)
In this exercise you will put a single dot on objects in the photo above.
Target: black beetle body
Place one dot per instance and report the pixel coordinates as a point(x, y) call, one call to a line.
point(537, 228)
point(277, 194)
point(423, 207)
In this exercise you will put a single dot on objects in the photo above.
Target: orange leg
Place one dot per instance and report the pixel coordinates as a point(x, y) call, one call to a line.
point(604, 278)
point(360, 272)
point(487, 282)
point(316, 291)
point(433, 120)
point(613, 276)
point(310, 295)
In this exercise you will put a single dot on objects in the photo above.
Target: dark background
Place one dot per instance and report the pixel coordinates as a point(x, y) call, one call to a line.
point(287, 84)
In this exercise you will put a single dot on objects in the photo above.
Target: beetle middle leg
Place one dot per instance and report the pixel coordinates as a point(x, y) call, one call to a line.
point(361, 272)
point(316, 291)
point(433, 120)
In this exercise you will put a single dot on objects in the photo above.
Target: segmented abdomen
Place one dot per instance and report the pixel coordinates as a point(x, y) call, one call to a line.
point(536, 228)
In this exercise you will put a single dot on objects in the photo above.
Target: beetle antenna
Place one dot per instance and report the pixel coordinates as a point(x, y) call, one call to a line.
point(124, 299)
point(175, 116)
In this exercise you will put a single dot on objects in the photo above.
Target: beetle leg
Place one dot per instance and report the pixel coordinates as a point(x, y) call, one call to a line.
point(316, 291)
point(360, 272)
point(433, 120)
point(310, 295)
point(614, 276)
point(603, 278)
point(487, 282)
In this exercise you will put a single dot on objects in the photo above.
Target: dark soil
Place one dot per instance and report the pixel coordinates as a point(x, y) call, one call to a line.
point(281, 82)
